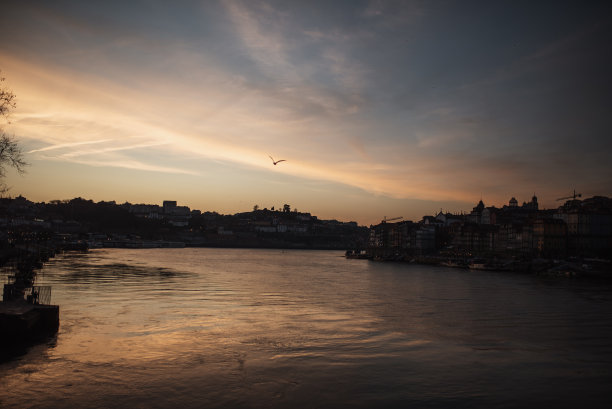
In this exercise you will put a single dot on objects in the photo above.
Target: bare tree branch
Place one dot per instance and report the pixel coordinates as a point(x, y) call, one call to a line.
point(10, 155)
point(7, 99)
point(10, 151)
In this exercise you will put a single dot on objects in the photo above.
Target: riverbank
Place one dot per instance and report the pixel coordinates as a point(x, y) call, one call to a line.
point(26, 315)
point(573, 267)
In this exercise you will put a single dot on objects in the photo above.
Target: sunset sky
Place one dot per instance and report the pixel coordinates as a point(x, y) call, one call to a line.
point(380, 108)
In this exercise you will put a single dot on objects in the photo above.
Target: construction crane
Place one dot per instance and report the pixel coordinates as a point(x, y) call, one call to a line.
point(385, 220)
point(573, 197)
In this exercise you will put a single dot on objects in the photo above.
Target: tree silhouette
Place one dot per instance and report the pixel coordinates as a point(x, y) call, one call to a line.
point(10, 151)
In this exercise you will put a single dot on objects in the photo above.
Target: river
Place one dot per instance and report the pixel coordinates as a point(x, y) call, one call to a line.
point(195, 328)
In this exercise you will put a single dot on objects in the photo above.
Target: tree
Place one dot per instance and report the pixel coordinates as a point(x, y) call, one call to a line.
point(10, 151)
point(7, 99)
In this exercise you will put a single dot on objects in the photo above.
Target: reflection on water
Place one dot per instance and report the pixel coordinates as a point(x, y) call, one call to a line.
point(271, 328)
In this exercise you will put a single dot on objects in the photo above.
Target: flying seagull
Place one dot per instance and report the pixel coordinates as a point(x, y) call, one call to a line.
point(274, 162)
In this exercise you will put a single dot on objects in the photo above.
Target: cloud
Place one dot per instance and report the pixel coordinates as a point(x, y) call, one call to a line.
point(355, 95)
point(131, 164)
point(67, 145)
point(394, 13)
point(112, 149)
point(265, 46)
point(300, 83)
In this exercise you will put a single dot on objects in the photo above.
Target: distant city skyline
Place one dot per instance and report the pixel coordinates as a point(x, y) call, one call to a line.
point(379, 108)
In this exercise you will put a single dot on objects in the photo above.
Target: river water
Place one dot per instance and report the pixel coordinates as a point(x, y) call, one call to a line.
point(206, 328)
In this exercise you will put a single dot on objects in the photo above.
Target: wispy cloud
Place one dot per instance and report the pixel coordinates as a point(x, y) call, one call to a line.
point(112, 149)
point(234, 135)
point(67, 145)
point(327, 82)
point(259, 32)
point(134, 165)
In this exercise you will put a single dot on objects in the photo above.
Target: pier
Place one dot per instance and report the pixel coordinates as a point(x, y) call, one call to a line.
point(22, 323)
point(26, 313)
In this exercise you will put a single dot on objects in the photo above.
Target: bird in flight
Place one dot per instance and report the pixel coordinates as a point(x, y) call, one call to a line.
point(274, 162)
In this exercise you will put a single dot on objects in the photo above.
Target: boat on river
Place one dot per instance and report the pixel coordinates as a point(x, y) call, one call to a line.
point(359, 254)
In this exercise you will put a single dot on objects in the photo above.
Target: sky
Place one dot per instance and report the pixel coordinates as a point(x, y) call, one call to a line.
point(380, 108)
